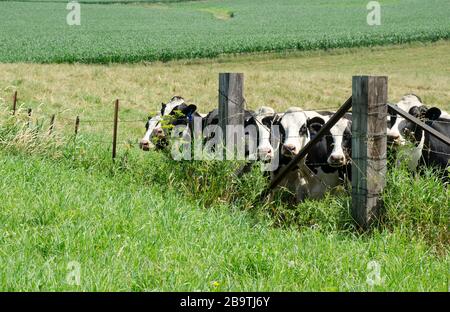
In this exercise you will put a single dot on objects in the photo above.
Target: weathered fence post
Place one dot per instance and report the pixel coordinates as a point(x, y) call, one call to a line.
point(369, 145)
point(77, 125)
point(14, 103)
point(116, 119)
point(29, 116)
point(231, 106)
point(52, 124)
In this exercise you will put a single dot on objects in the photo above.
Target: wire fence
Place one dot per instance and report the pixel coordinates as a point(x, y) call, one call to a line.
point(71, 121)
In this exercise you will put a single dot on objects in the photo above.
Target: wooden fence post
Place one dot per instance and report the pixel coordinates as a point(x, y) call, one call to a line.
point(14, 103)
point(369, 143)
point(29, 116)
point(116, 119)
point(231, 103)
point(77, 125)
point(52, 124)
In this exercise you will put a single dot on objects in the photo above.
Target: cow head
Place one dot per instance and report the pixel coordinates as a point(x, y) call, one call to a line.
point(320, 151)
point(342, 143)
point(293, 132)
point(397, 123)
point(334, 148)
point(146, 143)
point(172, 114)
point(410, 131)
point(263, 120)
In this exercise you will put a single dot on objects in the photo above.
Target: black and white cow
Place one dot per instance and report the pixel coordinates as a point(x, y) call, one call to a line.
point(428, 150)
point(329, 159)
point(294, 136)
point(175, 112)
point(400, 131)
point(146, 143)
point(397, 123)
point(435, 152)
point(327, 163)
point(263, 119)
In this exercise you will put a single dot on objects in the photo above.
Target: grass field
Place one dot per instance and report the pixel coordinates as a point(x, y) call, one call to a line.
point(129, 232)
point(151, 223)
point(197, 29)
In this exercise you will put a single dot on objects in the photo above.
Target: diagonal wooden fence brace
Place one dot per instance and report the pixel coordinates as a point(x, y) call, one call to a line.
point(289, 167)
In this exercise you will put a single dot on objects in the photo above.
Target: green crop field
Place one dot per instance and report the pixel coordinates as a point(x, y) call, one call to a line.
point(104, 1)
point(38, 32)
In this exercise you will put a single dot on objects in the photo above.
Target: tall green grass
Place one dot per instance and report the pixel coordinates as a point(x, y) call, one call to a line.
point(147, 222)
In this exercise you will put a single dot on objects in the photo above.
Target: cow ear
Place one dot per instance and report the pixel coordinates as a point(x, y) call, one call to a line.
point(249, 121)
point(315, 123)
point(392, 120)
point(318, 120)
point(268, 121)
point(276, 120)
point(315, 127)
point(249, 118)
point(189, 110)
point(163, 107)
point(433, 113)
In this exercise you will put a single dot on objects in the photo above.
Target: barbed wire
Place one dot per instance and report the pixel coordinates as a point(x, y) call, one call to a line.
point(110, 143)
point(111, 121)
point(143, 120)
point(381, 115)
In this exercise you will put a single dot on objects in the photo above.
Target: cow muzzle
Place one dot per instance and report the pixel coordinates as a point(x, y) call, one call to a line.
point(395, 140)
point(265, 154)
point(336, 160)
point(145, 145)
point(288, 150)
